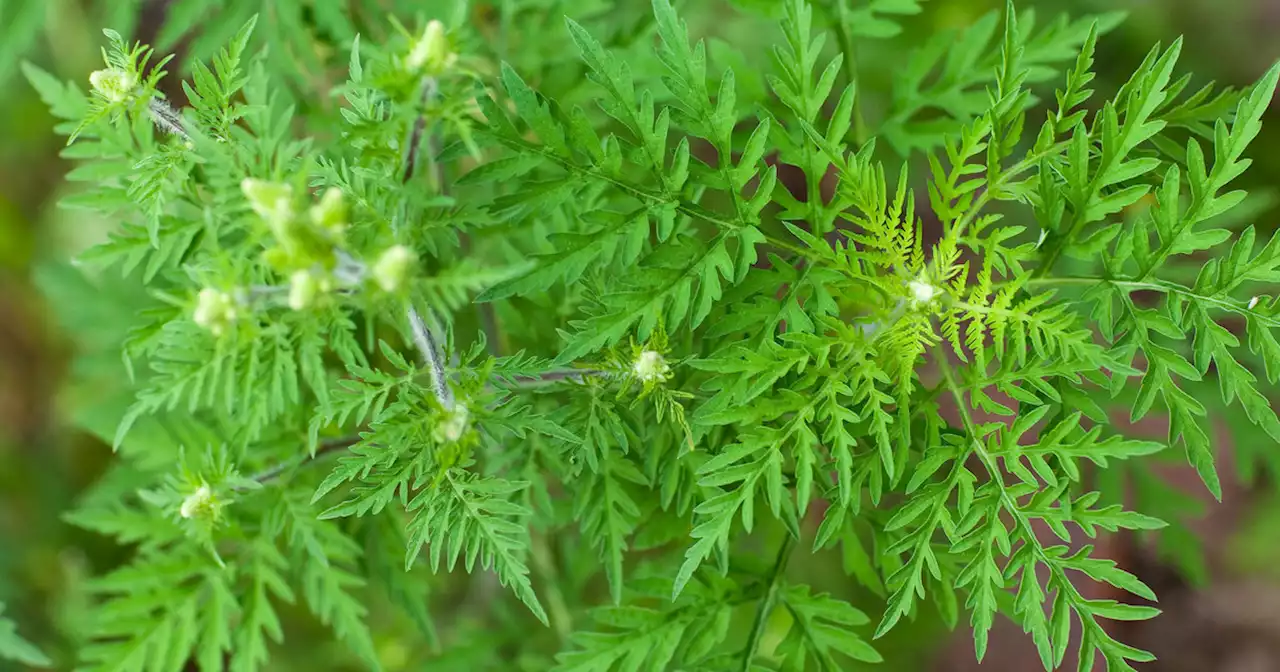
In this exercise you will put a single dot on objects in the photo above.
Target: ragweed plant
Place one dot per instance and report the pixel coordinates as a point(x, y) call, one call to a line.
point(450, 339)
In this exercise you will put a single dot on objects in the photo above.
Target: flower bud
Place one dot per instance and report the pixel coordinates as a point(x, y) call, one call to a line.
point(392, 267)
point(330, 214)
point(272, 201)
point(431, 54)
point(199, 504)
point(214, 310)
point(453, 425)
point(303, 288)
point(650, 367)
point(921, 291)
point(114, 84)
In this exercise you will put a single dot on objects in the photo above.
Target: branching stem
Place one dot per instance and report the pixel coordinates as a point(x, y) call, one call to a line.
point(1057, 574)
point(1164, 287)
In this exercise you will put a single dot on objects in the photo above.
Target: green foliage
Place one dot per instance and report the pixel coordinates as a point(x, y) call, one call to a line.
point(13, 647)
point(385, 318)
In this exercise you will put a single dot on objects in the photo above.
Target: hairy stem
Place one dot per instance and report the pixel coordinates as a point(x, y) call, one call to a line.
point(428, 346)
point(423, 337)
point(1027, 163)
point(1021, 521)
point(167, 119)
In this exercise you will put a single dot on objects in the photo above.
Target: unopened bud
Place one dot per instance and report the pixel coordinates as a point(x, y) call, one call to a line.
point(922, 291)
point(199, 503)
point(431, 54)
point(330, 214)
point(453, 425)
point(303, 288)
point(214, 310)
point(114, 84)
point(272, 201)
point(392, 267)
point(650, 367)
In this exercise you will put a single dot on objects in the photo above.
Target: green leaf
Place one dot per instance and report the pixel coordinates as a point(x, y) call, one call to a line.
point(15, 648)
point(461, 517)
point(824, 627)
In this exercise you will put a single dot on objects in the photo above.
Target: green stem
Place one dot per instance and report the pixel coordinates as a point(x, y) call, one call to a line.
point(850, 51)
point(988, 460)
point(1165, 288)
point(794, 249)
point(1016, 169)
point(816, 258)
point(768, 602)
point(1020, 519)
point(331, 447)
point(825, 663)
point(557, 608)
point(1054, 253)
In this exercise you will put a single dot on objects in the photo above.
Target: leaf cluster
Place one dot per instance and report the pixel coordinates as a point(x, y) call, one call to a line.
point(456, 340)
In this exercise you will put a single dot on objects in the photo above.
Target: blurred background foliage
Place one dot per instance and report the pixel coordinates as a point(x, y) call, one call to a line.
point(48, 311)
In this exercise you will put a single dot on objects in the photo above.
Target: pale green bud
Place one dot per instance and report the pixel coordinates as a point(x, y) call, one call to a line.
point(272, 201)
point(303, 288)
point(431, 54)
point(200, 504)
point(114, 84)
point(214, 310)
point(392, 267)
point(650, 367)
point(922, 292)
point(330, 214)
point(453, 425)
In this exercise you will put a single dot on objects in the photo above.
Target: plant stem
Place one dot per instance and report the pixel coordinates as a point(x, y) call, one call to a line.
point(557, 609)
point(1027, 163)
point(1164, 287)
point(413, 146)
point(768, 601)
point(1021, 520)
point(557, 376)
point(166, 118)
point(423, 337)
point(327, 448)
point(428, 346)
point(850, 51)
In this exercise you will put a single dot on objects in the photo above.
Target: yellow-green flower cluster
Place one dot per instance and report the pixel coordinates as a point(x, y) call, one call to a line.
point(114, 84)
point(201, 504)
point(215, 310)
point(307, 241)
